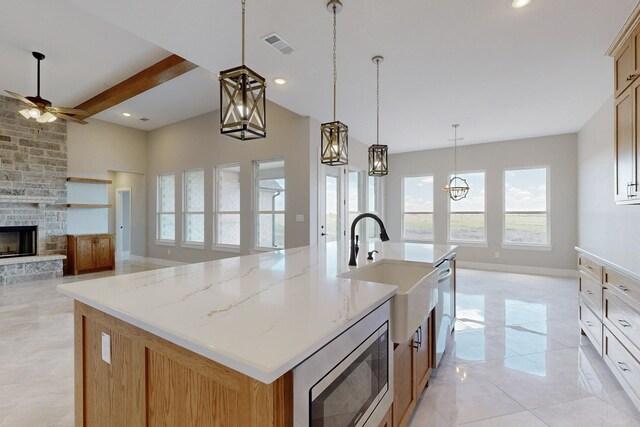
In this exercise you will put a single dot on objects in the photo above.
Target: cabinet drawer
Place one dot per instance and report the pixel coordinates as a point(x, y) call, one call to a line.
point(621, 317)
point(624, 364)
point(590, 267)
point(591, 292)
point(591, 325)
point(628, 287)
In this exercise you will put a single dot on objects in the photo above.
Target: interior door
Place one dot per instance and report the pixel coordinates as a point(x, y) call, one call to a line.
point(331, 206)
point(123, 223)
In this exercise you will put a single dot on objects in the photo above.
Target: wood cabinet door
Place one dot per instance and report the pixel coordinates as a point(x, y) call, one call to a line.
point(404, 396)
point(423, 353)
point(624, 145)
point(625, 65)
point(84, 253)
point(103, 252)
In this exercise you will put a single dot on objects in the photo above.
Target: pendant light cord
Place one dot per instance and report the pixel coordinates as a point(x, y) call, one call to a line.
point(378, 102)
point(335, 72)
point(455, 150)
point(243, 2)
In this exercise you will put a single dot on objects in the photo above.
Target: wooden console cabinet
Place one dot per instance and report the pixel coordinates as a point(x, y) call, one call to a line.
point(90, 252)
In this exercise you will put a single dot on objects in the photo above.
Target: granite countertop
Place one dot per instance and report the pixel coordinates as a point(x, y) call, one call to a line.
point(258, 314)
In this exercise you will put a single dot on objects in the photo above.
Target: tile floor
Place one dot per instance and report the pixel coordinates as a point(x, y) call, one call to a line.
point(517, 358)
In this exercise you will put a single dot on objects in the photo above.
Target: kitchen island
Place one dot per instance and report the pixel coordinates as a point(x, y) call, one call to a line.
point(215, 343)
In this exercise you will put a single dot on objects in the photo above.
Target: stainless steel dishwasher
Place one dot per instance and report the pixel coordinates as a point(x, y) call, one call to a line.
point(445, 309)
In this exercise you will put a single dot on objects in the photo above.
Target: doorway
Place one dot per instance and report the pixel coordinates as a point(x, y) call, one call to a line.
point(123, 223)
point(332, 203)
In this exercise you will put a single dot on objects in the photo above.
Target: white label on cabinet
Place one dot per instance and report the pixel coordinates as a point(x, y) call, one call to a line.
point(106, 348)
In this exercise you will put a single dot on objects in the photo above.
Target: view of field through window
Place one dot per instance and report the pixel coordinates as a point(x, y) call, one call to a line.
point(525, 201)
point(418, 208)
point(467, 216)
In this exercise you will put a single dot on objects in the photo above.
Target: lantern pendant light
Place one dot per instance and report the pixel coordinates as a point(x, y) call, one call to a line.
point(457, 187)
point(334, 135)
point(243, 109)
point(378, 154)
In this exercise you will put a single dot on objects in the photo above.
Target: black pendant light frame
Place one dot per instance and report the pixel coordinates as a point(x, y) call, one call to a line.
point(334, 135)
point(243, 99)
point(378, 154)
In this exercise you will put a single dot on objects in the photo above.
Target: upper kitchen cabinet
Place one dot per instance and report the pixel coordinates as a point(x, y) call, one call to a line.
point(625, 50)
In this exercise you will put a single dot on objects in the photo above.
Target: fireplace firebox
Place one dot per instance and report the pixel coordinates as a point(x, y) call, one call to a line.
point(18, 241)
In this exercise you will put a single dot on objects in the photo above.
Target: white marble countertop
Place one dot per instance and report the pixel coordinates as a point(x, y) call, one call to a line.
point(628, 265)
point(259, 314)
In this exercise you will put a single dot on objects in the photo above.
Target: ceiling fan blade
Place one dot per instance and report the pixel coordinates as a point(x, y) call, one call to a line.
point(69, 118)
point(21, 98)
point(65, 110)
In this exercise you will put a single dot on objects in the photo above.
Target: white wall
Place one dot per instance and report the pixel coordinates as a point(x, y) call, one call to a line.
point(93, 151)
point(605, 229)
point(197, 143)
point(137, 184)
point(556, 152)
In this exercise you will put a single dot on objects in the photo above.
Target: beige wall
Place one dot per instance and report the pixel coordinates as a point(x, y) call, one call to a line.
point(137, 184)
point(556, 152)
point(197, 143)
point(605, 229)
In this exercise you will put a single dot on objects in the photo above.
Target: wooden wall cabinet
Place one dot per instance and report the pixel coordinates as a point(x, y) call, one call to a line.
point(90, 252)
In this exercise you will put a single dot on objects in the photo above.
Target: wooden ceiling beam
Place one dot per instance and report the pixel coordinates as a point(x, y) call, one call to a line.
point(157, 74)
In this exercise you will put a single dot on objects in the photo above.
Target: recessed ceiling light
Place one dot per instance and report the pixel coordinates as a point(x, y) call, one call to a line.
point(126, 114)
point(517, 4)
point(279, 81)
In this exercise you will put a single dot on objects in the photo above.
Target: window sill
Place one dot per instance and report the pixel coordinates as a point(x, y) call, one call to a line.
point(192, 245)
point(229, 249)
point(526, 247)
point(468, 243)
point(417, 241)
point(263, 250)
point(165, 242)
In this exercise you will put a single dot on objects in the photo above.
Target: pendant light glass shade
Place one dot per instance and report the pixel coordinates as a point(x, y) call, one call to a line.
point(458, 188)
point(378, 154)
point(334, 135)
point(243, 100)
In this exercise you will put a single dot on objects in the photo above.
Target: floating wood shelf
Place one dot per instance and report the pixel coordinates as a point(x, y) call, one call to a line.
point(88, 180)
point(86, 206)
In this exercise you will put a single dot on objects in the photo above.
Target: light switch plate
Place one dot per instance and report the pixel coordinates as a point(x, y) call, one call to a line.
point(299, 218)
point(106, 348)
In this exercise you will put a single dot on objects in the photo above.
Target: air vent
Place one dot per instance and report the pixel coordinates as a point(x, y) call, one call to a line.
point(278, 43)
point(144, 119)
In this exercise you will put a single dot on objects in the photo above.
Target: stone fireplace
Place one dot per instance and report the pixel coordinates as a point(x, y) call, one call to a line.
point(18, 241)
point(33, 194)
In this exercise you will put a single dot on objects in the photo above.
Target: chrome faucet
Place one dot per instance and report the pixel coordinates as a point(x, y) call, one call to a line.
point(354, 243)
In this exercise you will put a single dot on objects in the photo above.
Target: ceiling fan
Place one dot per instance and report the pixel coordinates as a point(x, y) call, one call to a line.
point(41, 109)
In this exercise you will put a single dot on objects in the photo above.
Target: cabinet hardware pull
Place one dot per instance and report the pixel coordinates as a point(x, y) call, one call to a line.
point(589, 292)
point(631, 77)
point(624, 367)
point(624, 323)
point(623, 288)
point(588, 267)
point(589, 323)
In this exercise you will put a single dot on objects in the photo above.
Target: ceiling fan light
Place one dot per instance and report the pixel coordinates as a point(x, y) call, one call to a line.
point(46, 118)
point(25, 113)
point(34, 113)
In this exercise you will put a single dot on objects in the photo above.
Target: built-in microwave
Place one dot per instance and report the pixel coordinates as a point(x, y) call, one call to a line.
point(349, 382)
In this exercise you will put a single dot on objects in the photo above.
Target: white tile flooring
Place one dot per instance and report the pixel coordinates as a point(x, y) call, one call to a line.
point(517, 358)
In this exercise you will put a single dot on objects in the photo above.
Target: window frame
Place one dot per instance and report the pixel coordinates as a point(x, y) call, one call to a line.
point(360, 230)
point(159, 211)
point(256, 205)
point(527, 246)
point(185, 212)
point(379, 204)
point(462, 242)
point(402, 211)
point(217, 246)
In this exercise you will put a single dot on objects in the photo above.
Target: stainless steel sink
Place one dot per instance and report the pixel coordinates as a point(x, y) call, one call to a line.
point(417, 292)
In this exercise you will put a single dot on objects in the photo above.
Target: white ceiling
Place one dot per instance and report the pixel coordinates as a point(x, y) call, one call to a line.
point(499, 72)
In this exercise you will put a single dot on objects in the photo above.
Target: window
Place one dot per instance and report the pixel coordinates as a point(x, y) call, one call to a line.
point(467, 216)
point(526, 216)
point(417, 208)
point(270, 203)
point(166, 210)
point(354, 203)
point(227, 206)
point(193, 206)
point(374, 205)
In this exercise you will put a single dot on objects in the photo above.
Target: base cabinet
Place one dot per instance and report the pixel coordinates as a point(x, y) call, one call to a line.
point(88, 253)
point(412, 368)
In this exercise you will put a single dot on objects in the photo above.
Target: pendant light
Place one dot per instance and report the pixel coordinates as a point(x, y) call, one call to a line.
point(334, 135)
point(243, 98)
point(457, 187)
point(378, 154)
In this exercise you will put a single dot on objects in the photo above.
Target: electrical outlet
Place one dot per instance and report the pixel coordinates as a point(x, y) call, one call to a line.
point(106, 348)
point(497, 254)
